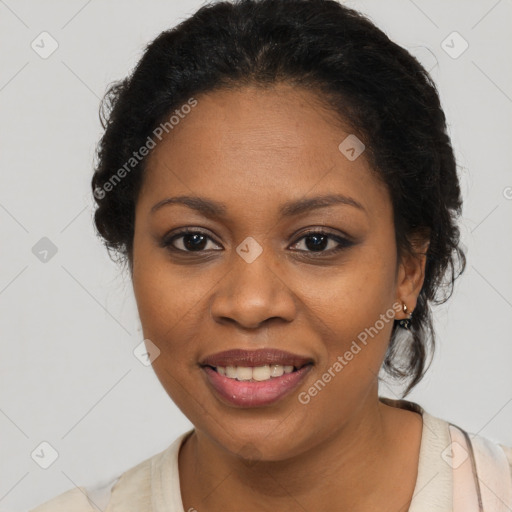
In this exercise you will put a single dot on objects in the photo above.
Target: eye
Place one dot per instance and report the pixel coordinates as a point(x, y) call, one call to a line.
point(318, 241)
point(193, 240)
point(187, 240)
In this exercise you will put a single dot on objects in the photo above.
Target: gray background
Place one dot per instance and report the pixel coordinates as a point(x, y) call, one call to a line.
point(69, 324)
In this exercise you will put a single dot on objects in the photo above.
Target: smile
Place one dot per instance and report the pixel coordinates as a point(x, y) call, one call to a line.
point(244, 386)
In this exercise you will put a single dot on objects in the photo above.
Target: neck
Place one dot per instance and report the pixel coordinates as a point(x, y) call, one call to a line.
point(363, 458)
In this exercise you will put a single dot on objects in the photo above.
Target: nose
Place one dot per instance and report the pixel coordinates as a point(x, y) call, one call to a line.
point(253, 293)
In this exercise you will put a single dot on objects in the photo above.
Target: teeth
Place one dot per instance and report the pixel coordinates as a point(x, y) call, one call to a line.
point(256, 374)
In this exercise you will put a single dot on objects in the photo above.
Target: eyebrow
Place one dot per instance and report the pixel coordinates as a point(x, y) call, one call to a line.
point(210, 208)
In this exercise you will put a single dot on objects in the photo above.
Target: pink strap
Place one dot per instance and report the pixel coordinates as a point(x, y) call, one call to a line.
point(465, 492)
point(494, 475)
point(481, 474)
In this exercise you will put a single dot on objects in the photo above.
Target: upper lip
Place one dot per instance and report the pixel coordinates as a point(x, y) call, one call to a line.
point(253, 358)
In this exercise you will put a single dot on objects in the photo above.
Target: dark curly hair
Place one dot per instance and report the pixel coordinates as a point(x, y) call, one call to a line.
point(384, 94)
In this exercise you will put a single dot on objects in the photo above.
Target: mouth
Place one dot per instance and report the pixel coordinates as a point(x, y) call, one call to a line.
point(258, 378)
point(256, 373)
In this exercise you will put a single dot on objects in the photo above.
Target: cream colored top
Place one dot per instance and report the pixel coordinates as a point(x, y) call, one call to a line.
point(153, 485)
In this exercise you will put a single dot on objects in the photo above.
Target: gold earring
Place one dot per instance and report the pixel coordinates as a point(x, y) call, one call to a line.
point(405, 323)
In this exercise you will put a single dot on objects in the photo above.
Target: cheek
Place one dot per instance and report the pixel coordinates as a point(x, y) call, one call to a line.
point(168, 302)
point(353, 309)
point(167, 295)
point(356, 316)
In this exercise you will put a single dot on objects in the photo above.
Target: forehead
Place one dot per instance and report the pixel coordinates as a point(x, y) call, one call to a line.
point(259, 146)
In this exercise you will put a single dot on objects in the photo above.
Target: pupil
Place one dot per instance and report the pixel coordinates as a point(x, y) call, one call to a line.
point(197, 241)
point(316, 245)
point(194, 246)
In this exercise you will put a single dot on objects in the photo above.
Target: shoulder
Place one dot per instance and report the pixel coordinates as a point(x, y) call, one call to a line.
point(155, 480)
point(491, 461)
point(131, 491)
point(439, 435)
point(508, 454)
point(74, 500)
point(133, 483)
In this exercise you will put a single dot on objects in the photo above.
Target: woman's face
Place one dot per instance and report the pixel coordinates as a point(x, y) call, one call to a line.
point(254, 280)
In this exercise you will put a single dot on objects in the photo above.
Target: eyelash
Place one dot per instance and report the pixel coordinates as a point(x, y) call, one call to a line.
point(343, 243)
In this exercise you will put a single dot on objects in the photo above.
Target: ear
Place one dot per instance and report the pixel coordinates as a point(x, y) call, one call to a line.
point(410, 276)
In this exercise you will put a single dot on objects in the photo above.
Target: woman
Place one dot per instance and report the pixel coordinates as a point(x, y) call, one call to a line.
point(278, 177)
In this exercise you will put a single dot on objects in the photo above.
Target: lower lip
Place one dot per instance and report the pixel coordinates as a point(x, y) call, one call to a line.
point(254, 394)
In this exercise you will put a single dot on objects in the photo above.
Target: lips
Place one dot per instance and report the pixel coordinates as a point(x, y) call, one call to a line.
point(244, 394)
point(253, 358)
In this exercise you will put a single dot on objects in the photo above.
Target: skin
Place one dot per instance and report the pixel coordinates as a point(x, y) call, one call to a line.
point(254, 149)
